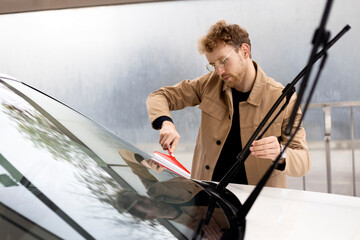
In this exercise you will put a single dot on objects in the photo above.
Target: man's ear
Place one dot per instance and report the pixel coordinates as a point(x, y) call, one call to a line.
point(246, 50)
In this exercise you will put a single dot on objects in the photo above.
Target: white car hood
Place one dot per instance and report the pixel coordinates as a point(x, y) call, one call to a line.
point(295, 214)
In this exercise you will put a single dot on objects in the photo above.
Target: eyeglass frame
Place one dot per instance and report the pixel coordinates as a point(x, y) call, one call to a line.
point(211, 67)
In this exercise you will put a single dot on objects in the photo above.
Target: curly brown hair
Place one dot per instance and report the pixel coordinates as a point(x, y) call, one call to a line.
point(231, 34)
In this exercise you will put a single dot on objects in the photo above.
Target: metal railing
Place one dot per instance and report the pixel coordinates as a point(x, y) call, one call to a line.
point(326, 107)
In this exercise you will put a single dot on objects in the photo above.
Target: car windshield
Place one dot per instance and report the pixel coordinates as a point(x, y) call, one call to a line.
point(74, 179)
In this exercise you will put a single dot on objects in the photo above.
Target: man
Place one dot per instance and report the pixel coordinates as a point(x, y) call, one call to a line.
point(233, 97)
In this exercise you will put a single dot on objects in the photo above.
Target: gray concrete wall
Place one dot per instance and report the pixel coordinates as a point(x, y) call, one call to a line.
point(104, 61)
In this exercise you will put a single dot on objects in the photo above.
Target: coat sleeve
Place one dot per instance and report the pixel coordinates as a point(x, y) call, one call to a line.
point(297, 155)
point(185, 93)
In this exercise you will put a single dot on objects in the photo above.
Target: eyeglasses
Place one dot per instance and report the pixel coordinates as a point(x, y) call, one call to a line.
point(219, 63)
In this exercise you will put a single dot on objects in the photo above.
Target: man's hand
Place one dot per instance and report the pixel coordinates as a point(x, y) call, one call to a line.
point(149, 163)
point(169, 136)
point(268, 147)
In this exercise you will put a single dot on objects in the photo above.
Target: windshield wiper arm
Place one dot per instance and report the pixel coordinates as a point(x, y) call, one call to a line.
point(320, 38)
point(287, 92)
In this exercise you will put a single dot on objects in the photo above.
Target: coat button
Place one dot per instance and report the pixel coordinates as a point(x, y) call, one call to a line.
point(207, 167)
point(218, 142)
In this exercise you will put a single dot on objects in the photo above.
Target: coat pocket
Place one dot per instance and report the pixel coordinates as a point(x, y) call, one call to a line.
point(213, 109)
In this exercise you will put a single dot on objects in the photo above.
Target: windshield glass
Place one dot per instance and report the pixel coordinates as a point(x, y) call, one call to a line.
point(92, 180)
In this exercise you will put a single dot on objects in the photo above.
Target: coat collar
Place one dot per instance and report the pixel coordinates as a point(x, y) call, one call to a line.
point(257, 91)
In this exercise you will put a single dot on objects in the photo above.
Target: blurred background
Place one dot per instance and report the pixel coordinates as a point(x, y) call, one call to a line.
point(103, 61)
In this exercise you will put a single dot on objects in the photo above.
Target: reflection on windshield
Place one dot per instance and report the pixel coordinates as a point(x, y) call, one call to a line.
point(66, 172)
point(177, 199)
point(43, 134)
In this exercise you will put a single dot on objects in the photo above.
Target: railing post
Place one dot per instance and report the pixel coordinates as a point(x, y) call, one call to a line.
point(327, 125)
point(353, 148)
point(304, 183)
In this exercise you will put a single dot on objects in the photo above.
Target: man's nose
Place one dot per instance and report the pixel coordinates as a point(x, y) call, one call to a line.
point(220, 70)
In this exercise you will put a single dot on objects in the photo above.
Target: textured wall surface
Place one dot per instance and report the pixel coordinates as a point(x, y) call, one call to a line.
point(104, 61)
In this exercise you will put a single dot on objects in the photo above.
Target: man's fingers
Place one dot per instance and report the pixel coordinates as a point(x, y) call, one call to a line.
point(266, 140)
point(167, 144)
point(174, 144)
point(264, 152)
point(169, 136)
point(264, 147)
point(275, 146)
point(170, 140)
point(268, 147)
point(163, 139)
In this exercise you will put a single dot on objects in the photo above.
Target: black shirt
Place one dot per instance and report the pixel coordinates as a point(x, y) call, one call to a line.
point(232, 146)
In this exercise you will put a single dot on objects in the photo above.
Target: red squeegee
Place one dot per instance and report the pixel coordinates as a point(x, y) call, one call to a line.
point(170, 162)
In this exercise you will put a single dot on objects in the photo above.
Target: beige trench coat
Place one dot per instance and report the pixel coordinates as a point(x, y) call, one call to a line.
point(215, 101)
